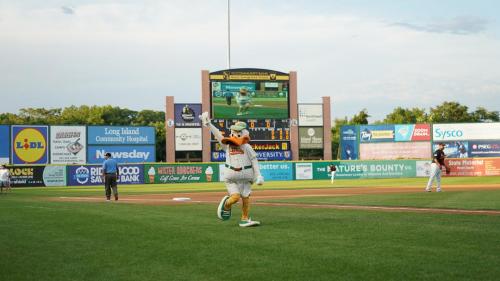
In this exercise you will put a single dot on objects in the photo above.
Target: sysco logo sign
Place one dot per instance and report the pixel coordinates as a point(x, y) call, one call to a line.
point(447, 134)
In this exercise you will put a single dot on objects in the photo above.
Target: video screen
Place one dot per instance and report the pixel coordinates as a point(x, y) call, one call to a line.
point(249, 100)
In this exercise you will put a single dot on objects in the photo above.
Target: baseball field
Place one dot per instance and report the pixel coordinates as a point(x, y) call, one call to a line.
point(260, 108)
point(311, 230)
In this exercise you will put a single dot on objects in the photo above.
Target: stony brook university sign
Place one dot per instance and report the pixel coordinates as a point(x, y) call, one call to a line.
point(29, 144)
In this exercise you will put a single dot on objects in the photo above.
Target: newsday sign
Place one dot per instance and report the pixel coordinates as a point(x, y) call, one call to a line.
point(466, 131)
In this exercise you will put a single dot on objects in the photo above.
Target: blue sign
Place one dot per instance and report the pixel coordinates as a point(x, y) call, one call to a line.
point(484, 148)
point(91, 174)
point(349, 143)
point(454, 149)
point(404, 132)
point(276, 171)
point(4, 144)
point(187, 114)
point(104, 135)
point(376, 133)
point(122, 153)
point(267, 155)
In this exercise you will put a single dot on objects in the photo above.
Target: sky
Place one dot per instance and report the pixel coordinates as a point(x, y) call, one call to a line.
point(376, 55)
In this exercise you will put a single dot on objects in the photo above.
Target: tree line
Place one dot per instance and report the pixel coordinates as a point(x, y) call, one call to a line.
point(447, 112)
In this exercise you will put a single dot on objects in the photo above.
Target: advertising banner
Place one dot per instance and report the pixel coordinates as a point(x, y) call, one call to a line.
point(36, 176)
point(303, 171)
point(187, 115)
point(376, 133)
point(105, 135)
point(367, 169)
point(349, 142)
point(474, 167)
point(395, 150)
point(259, 146)
point(454, 149)
point(181, 173)
point(276, 171)
point(30, 144)
point(92, 174)
point(484, 148)
point(311, 138)
point(188, 139)
point(466, 131)
point(310, 114)
point(122, 153)
point(410, 132)
point(4, 144)
point(67, 145)
point(264, 155)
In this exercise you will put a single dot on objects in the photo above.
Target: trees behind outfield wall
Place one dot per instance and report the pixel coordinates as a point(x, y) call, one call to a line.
point(92, 115)
point(447, 112)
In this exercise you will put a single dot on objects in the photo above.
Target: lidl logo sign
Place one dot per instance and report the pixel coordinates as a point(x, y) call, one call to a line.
point(29, 145)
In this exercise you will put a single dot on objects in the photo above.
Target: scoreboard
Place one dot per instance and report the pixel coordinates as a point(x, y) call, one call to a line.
point(260, 129)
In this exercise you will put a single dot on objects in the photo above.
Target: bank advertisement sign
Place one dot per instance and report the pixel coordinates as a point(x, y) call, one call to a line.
point(411, 132)
point(187, 115)
point(4, 144)
point(310, 114)
point(395, 150)
point(366, 169)
point(188, 139)
point(67, 145)
point(466, 131)
point(311, 137)
point(92, 174)
point(349, 142)
point(36, 176)
point(376, 133)
point(30, 144)
point(104, 135)
point(122, 153)
point(181, 173)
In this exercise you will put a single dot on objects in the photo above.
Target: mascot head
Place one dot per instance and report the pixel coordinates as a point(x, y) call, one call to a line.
point(239, 134)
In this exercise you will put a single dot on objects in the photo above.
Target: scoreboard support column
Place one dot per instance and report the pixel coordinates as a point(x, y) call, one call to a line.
point(205, 106)
point(327, 131)
point(294, 129)
point(169, 129)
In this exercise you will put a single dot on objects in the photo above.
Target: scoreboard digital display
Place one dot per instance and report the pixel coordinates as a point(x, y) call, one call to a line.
point(260, 129)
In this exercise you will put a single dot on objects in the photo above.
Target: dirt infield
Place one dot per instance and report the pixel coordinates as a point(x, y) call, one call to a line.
point(262, 195)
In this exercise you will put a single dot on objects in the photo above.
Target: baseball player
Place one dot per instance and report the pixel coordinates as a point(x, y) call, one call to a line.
point(242, 170)
point(244, 101)
point(4, 178)
point(436, 166)
point(332, 170)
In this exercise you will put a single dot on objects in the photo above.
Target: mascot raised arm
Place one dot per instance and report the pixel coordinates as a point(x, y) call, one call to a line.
point(242, 170)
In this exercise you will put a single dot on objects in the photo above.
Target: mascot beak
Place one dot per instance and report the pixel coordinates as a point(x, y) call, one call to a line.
point(236, 141)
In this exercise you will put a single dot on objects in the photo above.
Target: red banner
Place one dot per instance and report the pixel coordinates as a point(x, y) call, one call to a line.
point(474, 167)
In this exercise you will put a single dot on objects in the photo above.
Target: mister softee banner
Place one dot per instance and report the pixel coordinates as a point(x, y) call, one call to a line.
point(103, 135)
point(30, 144)
point(181, 173)
point(366, 169)
point(4, 144)
point(91, 174)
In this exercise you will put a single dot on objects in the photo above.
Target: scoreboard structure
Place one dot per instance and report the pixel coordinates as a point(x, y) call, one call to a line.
point(266, 100)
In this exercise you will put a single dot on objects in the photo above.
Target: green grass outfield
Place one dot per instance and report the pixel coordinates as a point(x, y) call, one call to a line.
point(45, 240)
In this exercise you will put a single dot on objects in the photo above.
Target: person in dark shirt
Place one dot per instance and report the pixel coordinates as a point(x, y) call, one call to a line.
point(436, 166)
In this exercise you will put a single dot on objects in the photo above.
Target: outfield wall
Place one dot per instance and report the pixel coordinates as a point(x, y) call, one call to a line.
point(165, 173)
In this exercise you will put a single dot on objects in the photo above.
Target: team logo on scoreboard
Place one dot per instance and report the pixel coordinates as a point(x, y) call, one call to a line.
point(30, 145)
